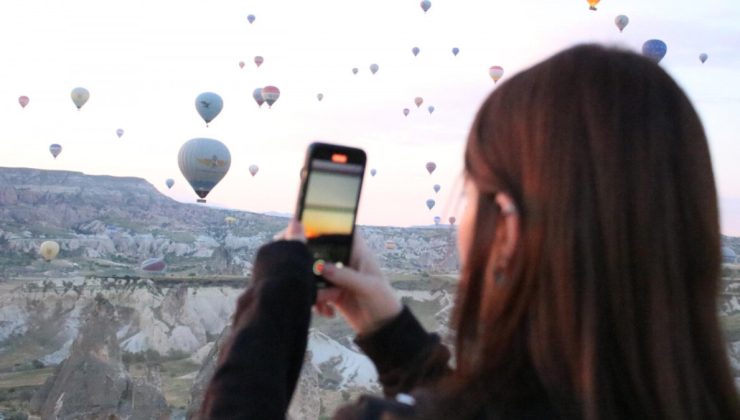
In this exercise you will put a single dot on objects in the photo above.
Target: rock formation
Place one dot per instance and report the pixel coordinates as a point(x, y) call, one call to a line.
point(92, 383)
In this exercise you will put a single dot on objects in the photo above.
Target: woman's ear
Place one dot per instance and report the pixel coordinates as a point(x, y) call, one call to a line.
point(507, 235)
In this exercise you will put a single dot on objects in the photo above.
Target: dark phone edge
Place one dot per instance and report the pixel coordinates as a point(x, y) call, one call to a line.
point(310, 154)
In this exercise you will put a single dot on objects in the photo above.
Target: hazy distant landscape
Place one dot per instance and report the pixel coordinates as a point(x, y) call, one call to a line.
point(91, 329)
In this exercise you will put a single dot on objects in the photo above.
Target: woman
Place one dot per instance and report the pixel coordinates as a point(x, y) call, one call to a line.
point(590, 249)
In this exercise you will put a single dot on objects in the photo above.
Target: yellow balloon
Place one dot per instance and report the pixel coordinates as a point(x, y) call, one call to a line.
point(230, 220)
point(592, 4)
point(49, 250)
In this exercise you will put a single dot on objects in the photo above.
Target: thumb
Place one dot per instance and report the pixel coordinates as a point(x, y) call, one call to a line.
point(343, 277)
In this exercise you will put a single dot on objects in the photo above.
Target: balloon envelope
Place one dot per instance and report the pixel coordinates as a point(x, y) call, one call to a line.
point(592, 4)
point(241, 64)
point(230, 220)
point(455, 51)
point(373, 172)
point(496, 73)
point(430, 109)
point(250, 18)
point(170, 182)
point(374, 68)
point(320, 96)
point(49, 250)
point(703, 57)
point(253, 169)
point(55, 150)
point(154, 265)
point(258, 60)
point(431, 166)
point(270, 94)
point(80, 96)
point(437, 219)
point(257, 95)
point(621, 21)
point(355, 70)
point(208, 105)
point(425, 5)
point(452, 220)
point(406, 112)
point(203, 162)
point(418, 101)
point(654, 49)
point(119, 132)
point(23, 100)
point(437, 187)
point(430, 204)
point(415, 51)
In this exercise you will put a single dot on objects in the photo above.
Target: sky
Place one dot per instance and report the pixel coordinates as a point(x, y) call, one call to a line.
point(145, 61)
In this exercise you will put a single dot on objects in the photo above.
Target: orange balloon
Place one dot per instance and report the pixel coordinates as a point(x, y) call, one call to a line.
point(592, 4)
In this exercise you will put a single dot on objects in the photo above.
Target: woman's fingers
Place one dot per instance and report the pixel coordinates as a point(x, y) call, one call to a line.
point(345, 278)
point(294, 231)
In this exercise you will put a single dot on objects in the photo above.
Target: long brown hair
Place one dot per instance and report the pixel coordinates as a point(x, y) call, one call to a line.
point(608, 308)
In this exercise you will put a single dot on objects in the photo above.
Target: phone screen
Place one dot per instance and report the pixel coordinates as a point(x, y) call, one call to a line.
point(330, 207)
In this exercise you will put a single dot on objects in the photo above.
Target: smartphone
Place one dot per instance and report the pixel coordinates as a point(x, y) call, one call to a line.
point(331, 181)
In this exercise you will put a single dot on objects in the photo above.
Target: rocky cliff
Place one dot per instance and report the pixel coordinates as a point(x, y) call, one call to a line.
point(108, 226)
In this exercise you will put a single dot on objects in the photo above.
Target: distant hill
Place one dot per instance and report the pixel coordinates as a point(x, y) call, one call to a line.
point(108, 225)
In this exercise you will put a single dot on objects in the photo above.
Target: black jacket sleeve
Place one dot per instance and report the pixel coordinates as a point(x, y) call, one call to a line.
point(406, 357)
point(259, 366)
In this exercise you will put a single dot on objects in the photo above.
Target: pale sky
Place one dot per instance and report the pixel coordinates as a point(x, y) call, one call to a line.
point(145, 61)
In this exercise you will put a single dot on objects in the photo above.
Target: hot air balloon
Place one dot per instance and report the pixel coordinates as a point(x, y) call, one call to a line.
point(437, 219)
point(496, 73)
point(49, 250)
point(592, 4)
point(455, 51)
point(55, 150)
point(621, 21)
point(452, 220)
point(355, 70)
point(373, 172)
point(23, 100)
point(258, 60)
point(430, 204)
point(169, 182)
point(241, 64)
point(203, 162)
point(208, 105)
point(257, 95)
point(418, 101)
point(250, 18)
point(436, 188)
point(80, 95)
point(253, 169)
point(119, 132)
point(425, 5)
point(230, 220)
point(703, 57)
point(430, 108)
point(270, 94)
point(374, 68)
point(154, 265)
point(654, 49)
point(320, 96)
point(415, 51)
point(390, 245)
point(406, 112)
point(431, 166)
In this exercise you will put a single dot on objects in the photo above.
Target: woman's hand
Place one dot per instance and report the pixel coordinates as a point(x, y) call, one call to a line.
point(294, 232)
point(361, 293)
